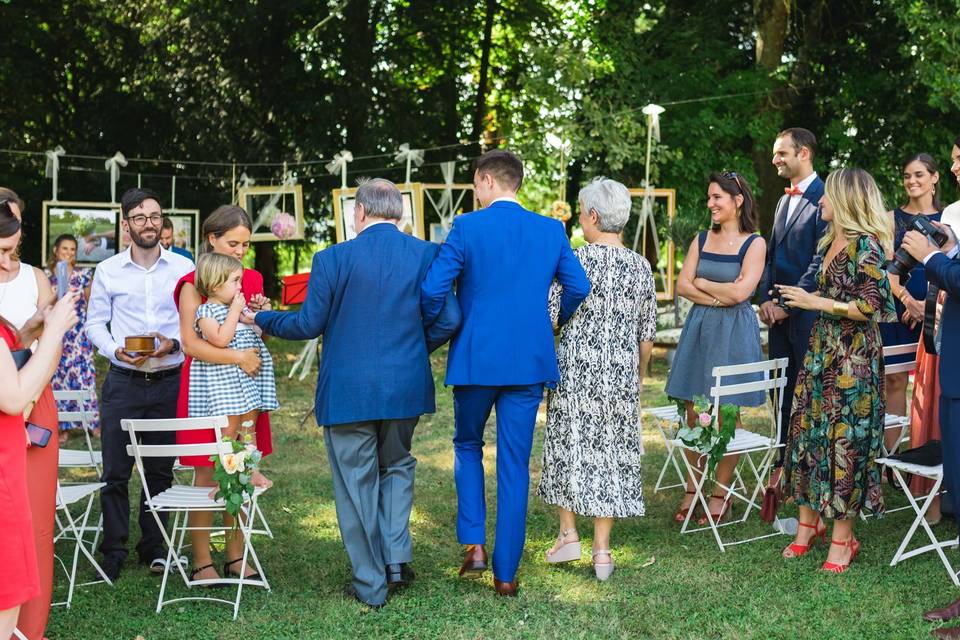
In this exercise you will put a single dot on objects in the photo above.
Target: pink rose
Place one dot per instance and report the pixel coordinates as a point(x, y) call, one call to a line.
point(705, 419)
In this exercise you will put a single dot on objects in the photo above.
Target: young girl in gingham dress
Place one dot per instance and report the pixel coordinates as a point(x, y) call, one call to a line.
point(224, 389)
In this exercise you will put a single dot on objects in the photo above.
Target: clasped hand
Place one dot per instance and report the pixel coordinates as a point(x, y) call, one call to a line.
point(798, 298)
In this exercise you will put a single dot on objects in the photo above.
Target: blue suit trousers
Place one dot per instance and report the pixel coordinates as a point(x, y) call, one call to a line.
point(516, 417)
point(950, 444)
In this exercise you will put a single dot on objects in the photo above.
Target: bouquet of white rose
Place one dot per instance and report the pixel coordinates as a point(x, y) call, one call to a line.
point(234, 473)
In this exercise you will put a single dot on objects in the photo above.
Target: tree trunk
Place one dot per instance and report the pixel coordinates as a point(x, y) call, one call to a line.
point(773, 21)
point(480, 113)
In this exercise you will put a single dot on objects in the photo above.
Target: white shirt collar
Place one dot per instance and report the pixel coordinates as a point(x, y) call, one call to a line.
point(393, 222)
point(803, 184)
point(506, 199)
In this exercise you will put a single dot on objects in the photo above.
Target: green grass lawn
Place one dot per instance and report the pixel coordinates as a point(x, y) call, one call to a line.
point(691, 589)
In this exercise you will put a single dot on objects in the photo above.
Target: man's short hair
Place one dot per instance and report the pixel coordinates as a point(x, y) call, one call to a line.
point(503, 166)
point(166, 224)
point(380, 199)
point(133, 198)
point(801, 138)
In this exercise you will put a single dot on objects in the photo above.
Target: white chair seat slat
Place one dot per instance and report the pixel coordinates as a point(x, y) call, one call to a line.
point(73, 493)
point(927, 471)
point(80, 458)
point(664, 413)
point(176, 424)
point(191, 497)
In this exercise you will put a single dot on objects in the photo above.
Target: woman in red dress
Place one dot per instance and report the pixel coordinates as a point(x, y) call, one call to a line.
point(226, 231)
point(19, 573)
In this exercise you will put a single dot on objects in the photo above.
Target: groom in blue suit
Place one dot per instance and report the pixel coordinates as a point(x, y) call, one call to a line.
point(503, 259)
point(374, 383)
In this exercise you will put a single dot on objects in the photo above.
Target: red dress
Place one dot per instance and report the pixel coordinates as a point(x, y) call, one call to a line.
point(250, 285)
point(19, 578)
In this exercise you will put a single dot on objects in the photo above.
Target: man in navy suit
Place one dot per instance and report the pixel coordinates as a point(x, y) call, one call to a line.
point(503, 259)
point(943, 270)
point(792, 259)
point(374, 382)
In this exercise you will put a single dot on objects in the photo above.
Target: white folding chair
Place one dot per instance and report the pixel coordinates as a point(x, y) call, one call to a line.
point(666, 420)
point(744, 443)
point(899, 423)
point(180, 500)
point(73, 529)
point(88, 458)
point(920, 505)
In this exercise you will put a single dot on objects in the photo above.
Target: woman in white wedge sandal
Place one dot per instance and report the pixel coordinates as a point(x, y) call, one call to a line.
point(592, 444)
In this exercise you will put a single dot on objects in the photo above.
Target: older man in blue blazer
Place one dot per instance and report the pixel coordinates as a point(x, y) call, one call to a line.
point(792, 258)
point(375, 381)
point(503, 259)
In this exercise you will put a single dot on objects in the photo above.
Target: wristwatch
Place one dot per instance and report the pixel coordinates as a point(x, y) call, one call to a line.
point(176, 345)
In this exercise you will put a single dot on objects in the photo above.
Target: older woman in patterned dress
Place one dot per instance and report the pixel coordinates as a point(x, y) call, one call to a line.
point(592, 445)
point(838, 411)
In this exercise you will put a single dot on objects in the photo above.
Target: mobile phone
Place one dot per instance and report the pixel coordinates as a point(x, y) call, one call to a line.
point(39, 436)
point(63, 279)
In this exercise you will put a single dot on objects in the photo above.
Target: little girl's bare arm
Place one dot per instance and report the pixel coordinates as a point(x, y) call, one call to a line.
point(220, 335)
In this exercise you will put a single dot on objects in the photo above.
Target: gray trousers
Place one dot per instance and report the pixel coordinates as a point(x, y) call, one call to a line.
point(373, 470)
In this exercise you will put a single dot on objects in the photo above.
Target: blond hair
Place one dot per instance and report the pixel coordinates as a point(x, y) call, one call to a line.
point(213, 270)
point(857, 208)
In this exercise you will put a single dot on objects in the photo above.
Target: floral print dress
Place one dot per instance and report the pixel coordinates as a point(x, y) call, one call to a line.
point(76, 370)
point(838, 410)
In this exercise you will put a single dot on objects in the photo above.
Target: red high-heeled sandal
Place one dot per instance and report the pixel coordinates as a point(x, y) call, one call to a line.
point(801, 549)
point(833, 567)
point(681, 514)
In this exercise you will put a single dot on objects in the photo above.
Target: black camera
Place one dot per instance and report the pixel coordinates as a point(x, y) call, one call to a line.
point(903, 262)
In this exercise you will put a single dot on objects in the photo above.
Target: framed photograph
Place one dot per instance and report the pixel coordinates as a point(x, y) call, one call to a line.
point(277, 211)
point(411, 221)
point(96, 226)
point(186, 229)
point(655, 244)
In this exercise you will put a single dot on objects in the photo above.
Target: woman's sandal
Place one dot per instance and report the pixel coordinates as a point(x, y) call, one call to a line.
point(567, 551)
point(717, 517)
point(602, 570)
point(681, 514)
point(798, 549)
point(853, 544)
point(194, 572)
point(227, 572)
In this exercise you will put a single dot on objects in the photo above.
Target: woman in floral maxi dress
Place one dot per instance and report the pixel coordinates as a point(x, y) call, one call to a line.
point(838, 414)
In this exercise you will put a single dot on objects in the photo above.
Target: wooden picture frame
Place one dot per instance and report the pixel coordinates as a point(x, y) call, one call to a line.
point(96, 225)
point(459, 192)
point(193, 215)
point(279, 197)
point(412, 221)
point(668, 277)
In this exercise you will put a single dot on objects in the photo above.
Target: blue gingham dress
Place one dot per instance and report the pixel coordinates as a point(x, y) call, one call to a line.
point(224, 389)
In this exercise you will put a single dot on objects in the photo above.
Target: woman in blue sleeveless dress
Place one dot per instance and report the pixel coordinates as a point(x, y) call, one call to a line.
point(719, 275)
point(920, 177)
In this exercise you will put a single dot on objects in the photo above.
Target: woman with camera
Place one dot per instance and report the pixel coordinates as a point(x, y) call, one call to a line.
point(838, 411)
point(25, 378)
point(920, 177)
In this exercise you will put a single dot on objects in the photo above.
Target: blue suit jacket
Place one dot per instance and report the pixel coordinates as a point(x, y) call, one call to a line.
point(363, 297)
point(945, 273)
point(792, 256)
point(504, 259)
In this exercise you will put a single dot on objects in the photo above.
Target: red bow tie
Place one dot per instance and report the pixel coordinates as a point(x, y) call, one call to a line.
point(793, 191)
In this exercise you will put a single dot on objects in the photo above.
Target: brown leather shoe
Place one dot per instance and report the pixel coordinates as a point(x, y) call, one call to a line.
point(508, 589)
point(948, 633)
point(475, 559)
point(948, 612)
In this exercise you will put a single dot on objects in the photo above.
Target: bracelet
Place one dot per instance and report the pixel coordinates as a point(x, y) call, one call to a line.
point(841, 309)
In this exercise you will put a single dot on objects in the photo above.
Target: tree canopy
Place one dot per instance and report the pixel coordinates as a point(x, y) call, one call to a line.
point(296, 80)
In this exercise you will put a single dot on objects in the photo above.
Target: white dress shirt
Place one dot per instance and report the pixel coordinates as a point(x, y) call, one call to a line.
point(506, 199)
point(128, 300)
point(795, 200)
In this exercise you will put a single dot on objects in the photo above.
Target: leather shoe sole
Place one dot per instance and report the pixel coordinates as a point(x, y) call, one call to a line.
point(351, 592)
point(507, 589)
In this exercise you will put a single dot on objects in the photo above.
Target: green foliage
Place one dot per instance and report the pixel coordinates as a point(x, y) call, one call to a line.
point(233, 473)
point(705, 436)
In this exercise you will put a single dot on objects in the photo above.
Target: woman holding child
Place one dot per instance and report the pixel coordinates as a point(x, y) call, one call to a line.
point(225, 232)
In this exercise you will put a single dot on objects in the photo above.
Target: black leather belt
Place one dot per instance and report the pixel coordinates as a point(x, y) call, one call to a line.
point(148, 376)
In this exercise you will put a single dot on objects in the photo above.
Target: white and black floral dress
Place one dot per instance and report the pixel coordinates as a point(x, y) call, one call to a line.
point(592, 444)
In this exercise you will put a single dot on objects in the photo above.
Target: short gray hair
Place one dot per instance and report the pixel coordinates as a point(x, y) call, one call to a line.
point(610, 199)
point(380, 199)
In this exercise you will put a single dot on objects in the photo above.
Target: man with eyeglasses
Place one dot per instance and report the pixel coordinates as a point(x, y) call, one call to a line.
point(132, 295)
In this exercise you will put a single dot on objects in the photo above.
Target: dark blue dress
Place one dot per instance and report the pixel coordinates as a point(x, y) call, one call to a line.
point(894, 333)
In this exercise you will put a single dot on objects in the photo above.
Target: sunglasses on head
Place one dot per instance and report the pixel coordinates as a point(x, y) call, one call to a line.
point(732, 175)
